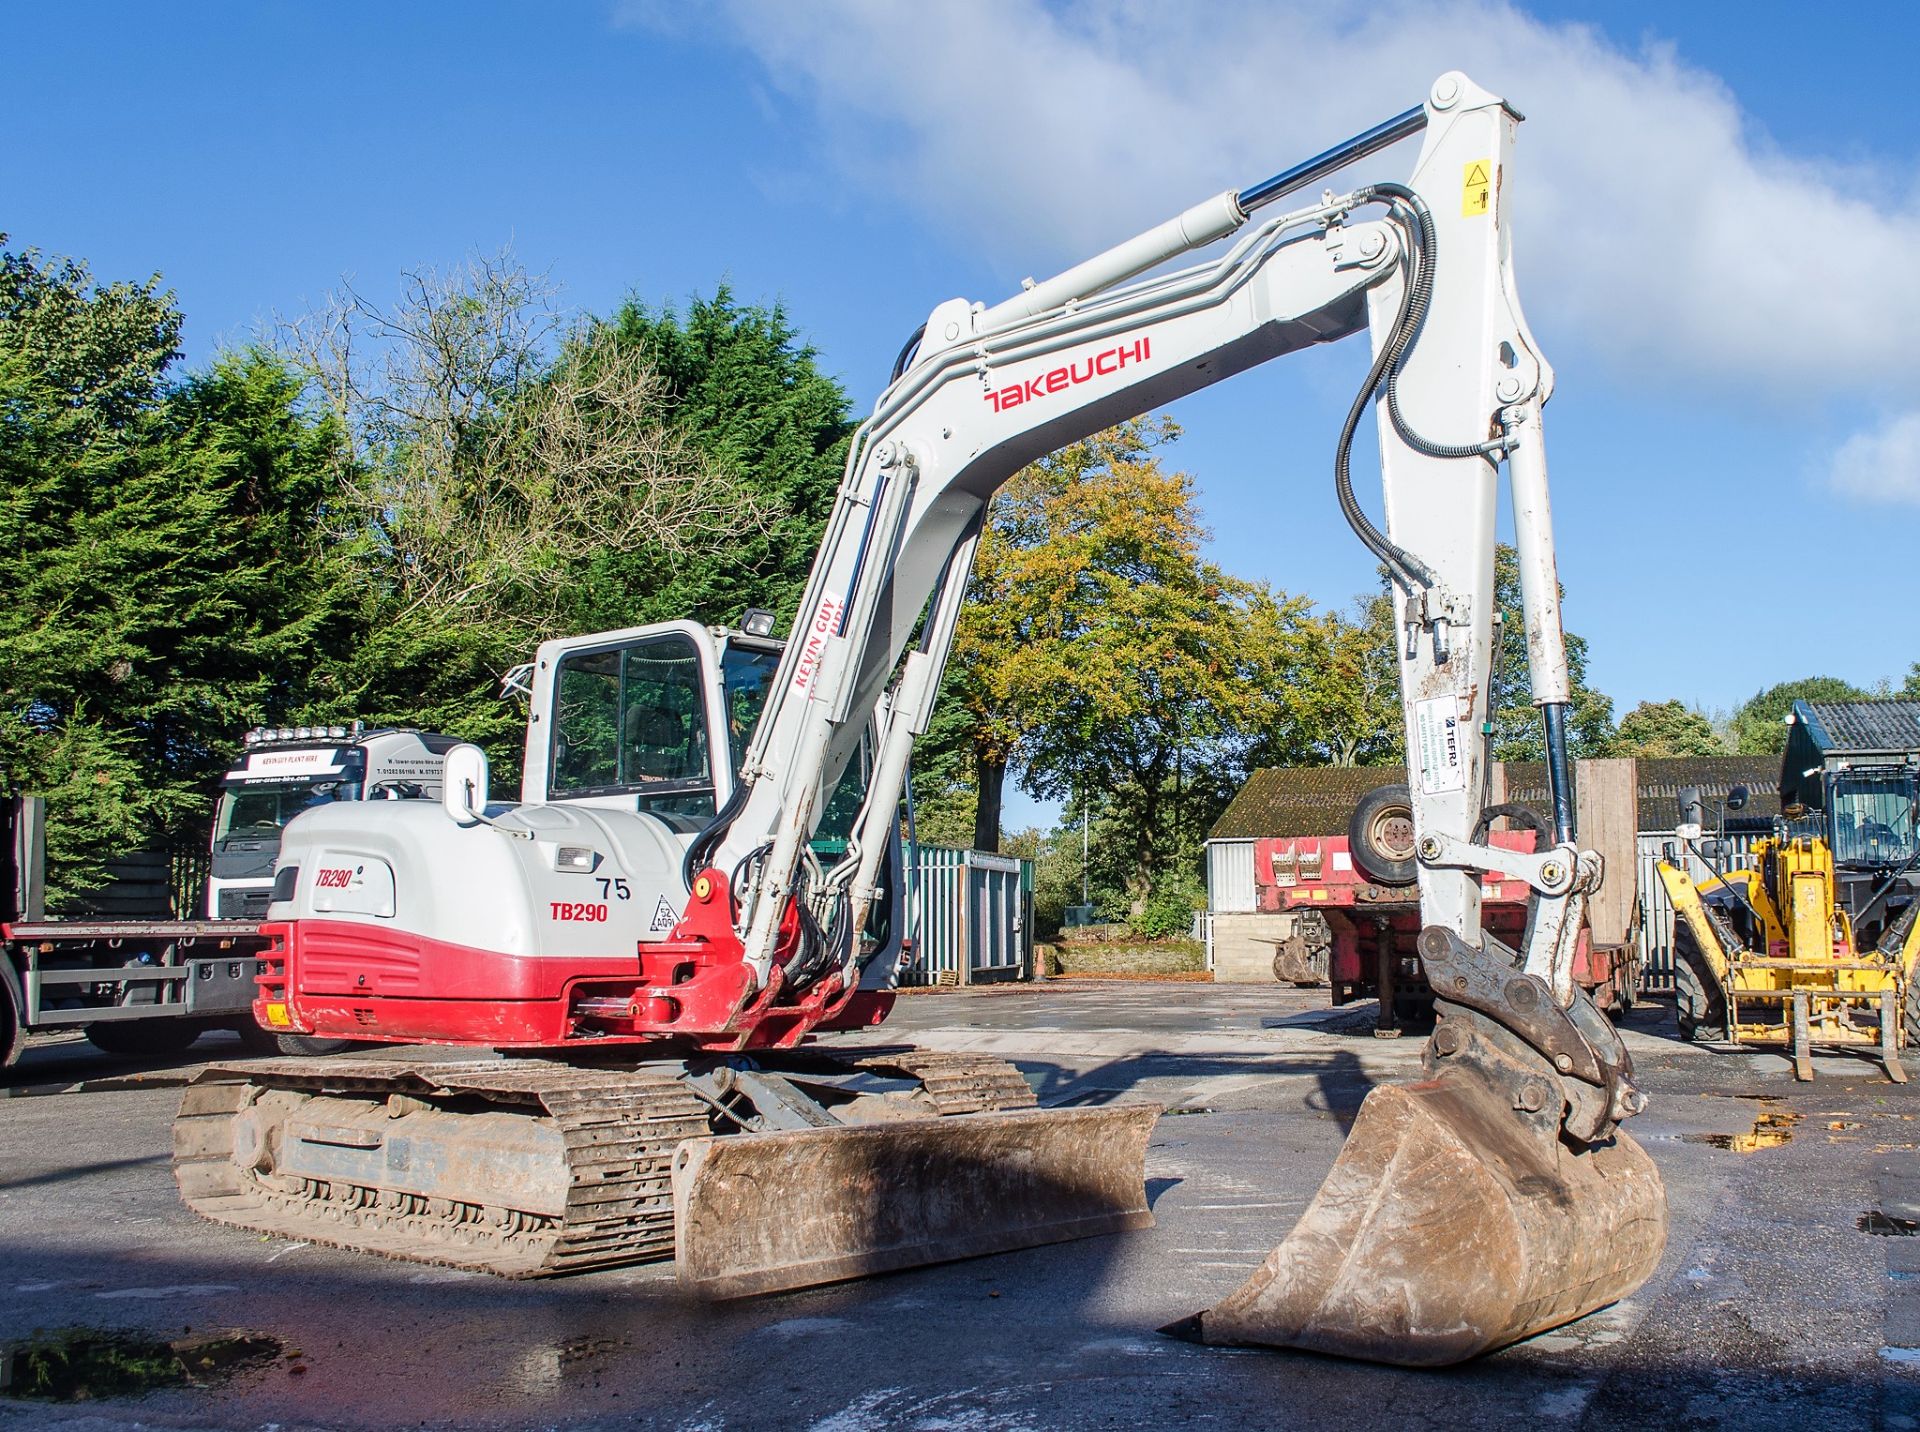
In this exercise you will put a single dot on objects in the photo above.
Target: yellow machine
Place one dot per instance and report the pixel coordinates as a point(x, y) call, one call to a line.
point(1815, 945)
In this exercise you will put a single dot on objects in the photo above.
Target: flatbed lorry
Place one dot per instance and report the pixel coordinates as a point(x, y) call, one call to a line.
point(137, 981)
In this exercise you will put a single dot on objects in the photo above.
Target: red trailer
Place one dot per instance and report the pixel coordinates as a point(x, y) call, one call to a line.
point(1356, 934)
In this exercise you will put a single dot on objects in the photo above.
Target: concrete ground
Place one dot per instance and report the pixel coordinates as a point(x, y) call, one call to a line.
point(1771, 1307)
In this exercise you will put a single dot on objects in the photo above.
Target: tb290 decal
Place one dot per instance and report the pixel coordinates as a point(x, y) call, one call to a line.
point(578, 910)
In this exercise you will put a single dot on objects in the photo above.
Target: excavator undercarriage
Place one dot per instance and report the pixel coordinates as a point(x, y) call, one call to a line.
point(756, 1175)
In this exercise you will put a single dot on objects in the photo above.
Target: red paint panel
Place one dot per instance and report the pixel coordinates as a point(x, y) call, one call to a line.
point(349, 980)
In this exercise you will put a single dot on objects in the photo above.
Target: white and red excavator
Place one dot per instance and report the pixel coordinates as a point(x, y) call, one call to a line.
point(654, 935)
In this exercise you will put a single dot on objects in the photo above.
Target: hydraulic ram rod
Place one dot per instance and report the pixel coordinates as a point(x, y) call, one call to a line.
point(1211, 219)
point(1401, 126)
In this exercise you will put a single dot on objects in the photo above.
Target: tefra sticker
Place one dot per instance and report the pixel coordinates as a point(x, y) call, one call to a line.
point(1437, 727)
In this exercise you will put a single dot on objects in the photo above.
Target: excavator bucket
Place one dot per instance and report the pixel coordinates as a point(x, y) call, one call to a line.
point(756, 1213)
point(1449, 1227)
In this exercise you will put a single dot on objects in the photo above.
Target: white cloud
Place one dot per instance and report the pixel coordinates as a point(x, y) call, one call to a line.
point(1882, 465)
point(1655, 227)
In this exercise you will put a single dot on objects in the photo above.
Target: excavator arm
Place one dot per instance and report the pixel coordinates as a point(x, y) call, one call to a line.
point(1498, 1196)
point(1425, 268)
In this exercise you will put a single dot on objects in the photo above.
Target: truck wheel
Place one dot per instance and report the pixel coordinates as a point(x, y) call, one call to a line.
point(1910, 1035)
point(306, 1046)
point(144, 1038)
point(12, 1037)
point(1380, 836)
point(1697, 1002)
point(256, 1040)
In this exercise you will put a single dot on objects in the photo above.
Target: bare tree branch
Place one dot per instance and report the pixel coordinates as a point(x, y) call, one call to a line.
point(489, 448)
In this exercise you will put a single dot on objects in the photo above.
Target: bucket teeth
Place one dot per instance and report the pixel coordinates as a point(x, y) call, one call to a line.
point(1449, 1226)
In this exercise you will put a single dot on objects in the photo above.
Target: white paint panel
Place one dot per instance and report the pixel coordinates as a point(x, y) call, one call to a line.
point(1230, 876)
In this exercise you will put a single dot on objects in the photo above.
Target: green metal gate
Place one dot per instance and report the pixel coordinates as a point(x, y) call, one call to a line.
point(970, 916)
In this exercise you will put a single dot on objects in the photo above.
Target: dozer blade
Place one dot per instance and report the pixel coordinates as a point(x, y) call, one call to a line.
point(756, 1213)
point(1449, 1226)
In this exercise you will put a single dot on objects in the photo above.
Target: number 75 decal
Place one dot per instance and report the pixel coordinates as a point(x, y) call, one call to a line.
point(614, 890)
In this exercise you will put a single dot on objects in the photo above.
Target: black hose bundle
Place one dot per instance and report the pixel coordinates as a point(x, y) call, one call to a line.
point(1410, 212)
point(700, 852)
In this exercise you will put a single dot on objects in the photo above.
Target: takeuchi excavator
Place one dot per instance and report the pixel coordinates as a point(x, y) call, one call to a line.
point(655, 938)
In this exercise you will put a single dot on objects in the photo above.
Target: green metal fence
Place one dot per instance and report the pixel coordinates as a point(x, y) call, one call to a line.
point(970, 916)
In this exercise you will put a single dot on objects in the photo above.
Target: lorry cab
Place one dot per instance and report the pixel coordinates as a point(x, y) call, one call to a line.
point(286, 770)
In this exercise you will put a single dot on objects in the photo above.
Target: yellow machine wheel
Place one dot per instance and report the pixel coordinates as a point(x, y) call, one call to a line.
point(1698, 1004)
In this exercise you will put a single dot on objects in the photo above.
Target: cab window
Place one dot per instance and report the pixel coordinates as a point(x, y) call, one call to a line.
point(1873, 819)
point(748, 674)
point(633, 719)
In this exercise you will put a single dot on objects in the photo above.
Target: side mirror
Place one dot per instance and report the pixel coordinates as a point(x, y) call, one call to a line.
point(463, 790)
point(1693, 810)
point(1737, 798)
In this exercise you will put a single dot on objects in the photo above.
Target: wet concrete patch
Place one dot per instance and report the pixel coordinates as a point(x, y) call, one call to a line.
point(82, 1364)
point(1769, 1131)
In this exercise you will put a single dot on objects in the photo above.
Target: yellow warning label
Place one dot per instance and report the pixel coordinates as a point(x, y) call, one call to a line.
point(1476, 188)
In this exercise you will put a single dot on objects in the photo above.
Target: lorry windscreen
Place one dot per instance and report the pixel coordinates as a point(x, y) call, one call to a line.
point(259, 810)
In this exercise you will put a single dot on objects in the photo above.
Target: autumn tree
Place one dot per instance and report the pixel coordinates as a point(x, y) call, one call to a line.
point(1102, 657)
point(1666, 728)
point(1341, 706)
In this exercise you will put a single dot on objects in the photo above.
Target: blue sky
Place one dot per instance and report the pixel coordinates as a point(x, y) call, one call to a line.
point(1717, 239)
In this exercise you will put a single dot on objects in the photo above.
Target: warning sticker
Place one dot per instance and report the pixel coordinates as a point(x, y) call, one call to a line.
point(665, 917)
point(1476, 188)
point(1443, 758)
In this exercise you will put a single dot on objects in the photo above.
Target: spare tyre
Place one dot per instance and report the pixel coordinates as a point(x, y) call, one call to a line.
point(1380, 836)
point(311, 1046)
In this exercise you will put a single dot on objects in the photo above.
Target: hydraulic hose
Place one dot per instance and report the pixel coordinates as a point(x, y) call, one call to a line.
point(906, 353)
point(1420, 299)
point(1407, 570)
point(1410, 211)
point(711, 834)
